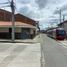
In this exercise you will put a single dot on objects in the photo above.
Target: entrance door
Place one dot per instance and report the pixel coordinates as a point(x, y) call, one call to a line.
point(10, 32)
point(25, 33)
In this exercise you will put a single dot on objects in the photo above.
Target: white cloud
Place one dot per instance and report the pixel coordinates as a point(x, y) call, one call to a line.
point(41, 10)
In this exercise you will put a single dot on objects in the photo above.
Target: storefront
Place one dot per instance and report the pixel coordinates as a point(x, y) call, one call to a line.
point(22, 30)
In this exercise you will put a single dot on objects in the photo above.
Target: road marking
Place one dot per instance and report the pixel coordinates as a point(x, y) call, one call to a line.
point(62, 43)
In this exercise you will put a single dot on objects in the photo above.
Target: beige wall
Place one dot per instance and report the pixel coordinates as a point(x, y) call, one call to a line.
point(65, 26)
point(7, 29)
point(18, 30)
point(4, 29)
point(32, 31)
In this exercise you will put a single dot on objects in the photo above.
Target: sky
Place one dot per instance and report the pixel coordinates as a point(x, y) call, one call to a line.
point(44, 11)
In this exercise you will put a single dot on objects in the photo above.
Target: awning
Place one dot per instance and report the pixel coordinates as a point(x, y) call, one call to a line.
point(17, 24)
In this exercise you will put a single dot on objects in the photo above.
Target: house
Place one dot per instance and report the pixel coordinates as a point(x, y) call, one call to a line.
point(24, 26)
point(63, 25)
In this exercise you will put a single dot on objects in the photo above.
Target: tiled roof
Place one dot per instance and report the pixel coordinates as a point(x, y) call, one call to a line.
point(6, 16)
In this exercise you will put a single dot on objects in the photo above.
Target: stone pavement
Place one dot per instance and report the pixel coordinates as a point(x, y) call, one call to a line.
point(20, 54)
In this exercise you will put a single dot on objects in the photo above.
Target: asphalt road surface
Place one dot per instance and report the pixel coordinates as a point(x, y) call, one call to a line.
point(55, 55)
point(20, 54)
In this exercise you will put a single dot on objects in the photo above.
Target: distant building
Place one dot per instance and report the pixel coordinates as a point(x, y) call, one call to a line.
point(63, 25)
point(24, 26)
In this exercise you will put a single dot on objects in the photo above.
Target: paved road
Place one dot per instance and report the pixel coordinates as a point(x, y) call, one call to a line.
point(20, 55)
point(55, 55)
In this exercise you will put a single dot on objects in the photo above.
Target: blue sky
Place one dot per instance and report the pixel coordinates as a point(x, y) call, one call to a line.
point(44, 11)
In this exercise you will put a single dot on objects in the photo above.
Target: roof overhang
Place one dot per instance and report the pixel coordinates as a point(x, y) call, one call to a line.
point(17, 24)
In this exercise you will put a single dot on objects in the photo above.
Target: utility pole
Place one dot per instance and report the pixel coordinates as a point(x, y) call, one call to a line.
point(59, 11)
point(38, 27)
point(63, 18)
point(13, 21)
point(60, 15)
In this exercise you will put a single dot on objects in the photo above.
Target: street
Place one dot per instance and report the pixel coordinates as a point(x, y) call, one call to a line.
point(46, 52)
point(20, 55)
point(55, 53)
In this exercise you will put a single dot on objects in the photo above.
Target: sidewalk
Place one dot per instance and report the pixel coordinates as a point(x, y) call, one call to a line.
point(20, 54)
point(35, 40)
point(63, 43)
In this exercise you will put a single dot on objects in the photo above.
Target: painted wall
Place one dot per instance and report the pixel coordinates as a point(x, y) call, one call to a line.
point(20, 33)
point(18, 30)
point(65, 26)
point(7, 30)
point(4, 29)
